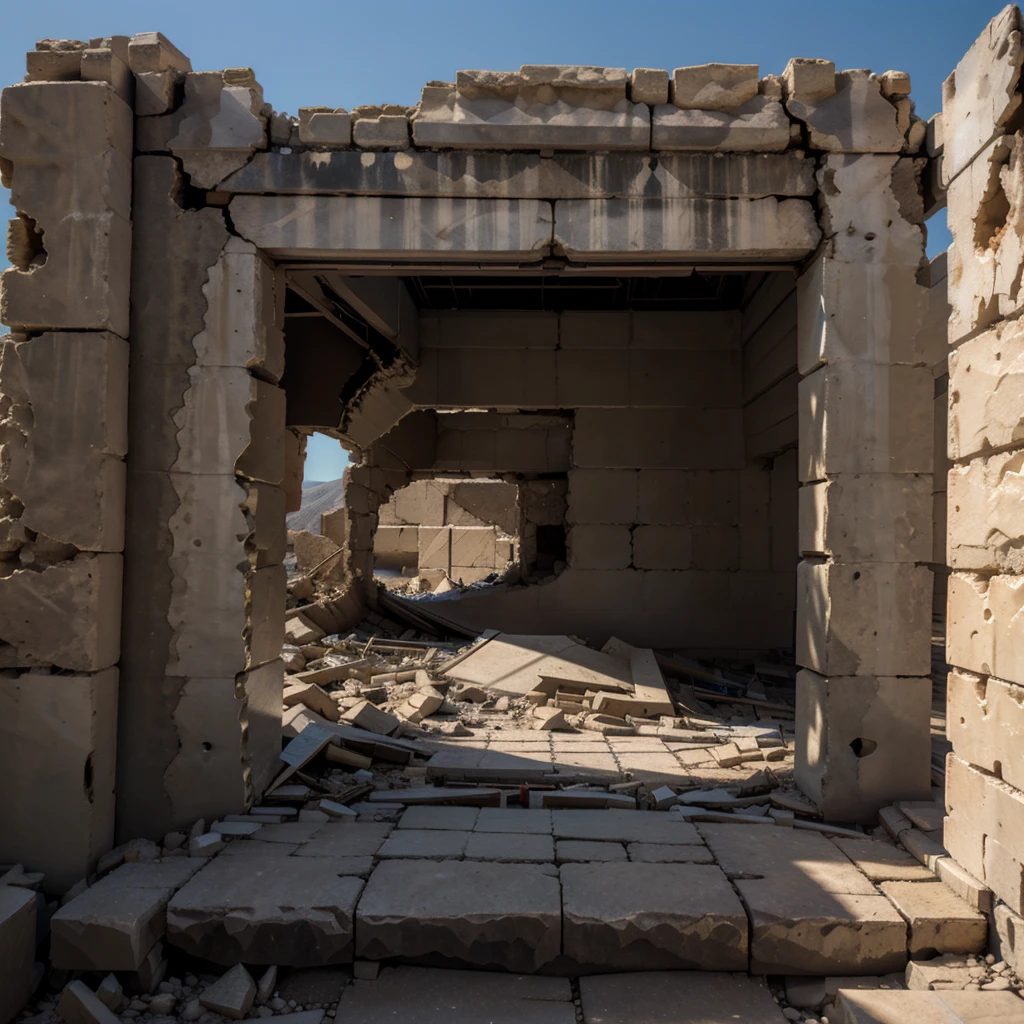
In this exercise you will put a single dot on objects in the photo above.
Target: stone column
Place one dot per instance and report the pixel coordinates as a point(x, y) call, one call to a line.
point(865, 454)
point(65, 152)
point(984, 167)
point(204, 580)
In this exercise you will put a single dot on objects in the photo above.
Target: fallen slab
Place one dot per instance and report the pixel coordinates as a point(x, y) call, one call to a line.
point(494, 915)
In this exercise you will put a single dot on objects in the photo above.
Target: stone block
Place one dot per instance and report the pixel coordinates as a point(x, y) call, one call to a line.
point(883, 862)
point(65, 435)
point(985, 723)
point(17, 948)
point(78, 1004)
point(667, 547)
point(53, 65)
point(69, 144)
point(986, 381)
point(864, 618)
point(714, 86)
point(521, 847)
point(1006, 936)
point(389, 131)
point(155, 91)
point(648, 85)
point(652, 916)
point(602, 496)
point(500, 915)
point(150, 52)
point(982, 93)
point(865, 742)
point(599, 547)
point(939, 920)
point(759, 125)
point(423, 843)
point(347, 841)
point(322, 126)
point(510, 820)
point(571, 851)
point(115, 923)
point(986, 514)
point(964, 884)
point(808, 80)
point(101, 64)
point(886, 1006)
point(983, 634)
point(860, 417)
point(687, 228)
point(870, 311)
point(854, 118)
point(263, 915)
point(623, 827)
point(870, 517)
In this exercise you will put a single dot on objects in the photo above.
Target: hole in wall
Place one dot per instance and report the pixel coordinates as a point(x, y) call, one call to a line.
point(25, 243)
point(551, 547)
point(207, 747)
point(862, 746)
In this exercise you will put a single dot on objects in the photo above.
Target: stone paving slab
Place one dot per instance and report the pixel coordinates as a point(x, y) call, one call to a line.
point(882, 862)
point(882, 1006)
point(507, 916)
point(584, 851)
point(256, 848)
point(666, 853)
point(421, 995)
point(517, 846)
point(939, 920)
point(624, 827)
point(289, 832)
point(514, 819)
point(424, 843)
point(359, 839)
point(459, 818)
point(652, 917)
point(289, 912)
point(660, 997)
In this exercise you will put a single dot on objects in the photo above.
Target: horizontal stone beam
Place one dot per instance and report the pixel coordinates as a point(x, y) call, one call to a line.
point(495, 175)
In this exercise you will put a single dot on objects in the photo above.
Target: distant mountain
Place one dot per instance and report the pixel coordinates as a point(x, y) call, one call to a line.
point(317, 498)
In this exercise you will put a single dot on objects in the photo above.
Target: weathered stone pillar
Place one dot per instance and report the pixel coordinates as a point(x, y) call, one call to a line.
point(984, 168)
point(864, 594)
point(204, 580)
point(65, 152)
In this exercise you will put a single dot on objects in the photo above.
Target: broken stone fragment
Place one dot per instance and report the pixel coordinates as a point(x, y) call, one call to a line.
point(714, 86)
point(231, 995)
point(153, 51)
point(549, 718)
point(649, 85)
point(324, 126)
point(79, 1005)
point(206, 845)
point(808, 80)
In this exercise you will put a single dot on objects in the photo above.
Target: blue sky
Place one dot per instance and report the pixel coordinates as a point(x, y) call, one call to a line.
point(340, 53)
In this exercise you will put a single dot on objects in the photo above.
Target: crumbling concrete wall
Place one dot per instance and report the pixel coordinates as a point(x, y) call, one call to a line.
point(65, 153)
point(982, 162)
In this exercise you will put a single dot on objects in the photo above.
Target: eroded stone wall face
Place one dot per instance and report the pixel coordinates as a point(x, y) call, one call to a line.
point(982, 163)
point(65, 153)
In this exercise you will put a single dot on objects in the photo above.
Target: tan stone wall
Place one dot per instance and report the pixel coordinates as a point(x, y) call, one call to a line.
point(985, 617)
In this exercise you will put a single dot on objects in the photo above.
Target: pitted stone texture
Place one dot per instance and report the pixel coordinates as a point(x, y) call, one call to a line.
point(714, 86)
point(64, 435)
point(624, 827)
point(885, 1006)
point(759, 125)
point(70, 146)
point(939, 920)
point(271, 911)
point(983, 632)
point(115, 923)
point(867, 742)
point(677, 997)
point(652, 916)
point(982, 94)
point(431, 996)
point(986, 514)
point(986, 381)
point(985, 723)
point(856, 118)
point(60, 728)
point(811, 910)
point(500, 915)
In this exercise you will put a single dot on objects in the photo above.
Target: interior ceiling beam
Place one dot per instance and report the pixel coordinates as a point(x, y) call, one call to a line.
point(535, 269)
point(305, 283)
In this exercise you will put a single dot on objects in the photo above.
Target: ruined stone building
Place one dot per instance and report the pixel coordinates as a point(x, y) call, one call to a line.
point(685, 319)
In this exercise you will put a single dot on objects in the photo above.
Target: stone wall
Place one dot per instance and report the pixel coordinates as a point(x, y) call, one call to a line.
point(982, 163)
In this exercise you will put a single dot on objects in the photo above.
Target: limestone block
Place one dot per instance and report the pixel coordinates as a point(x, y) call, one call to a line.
point(869, 311)
point(389, 131)
point(665, 547)
point(240, 326)
point(263, 915)
point(629, 916)
point(985, 213)
point(648, 85)
point(679, 228)
point(17, 948)
point(885, 1006)
point(985, 723)
point(505, 915)
point(218, 126)
point(855, 118)
point(54, 65)
point(103, 65)
point(337, 225)
point(68, 614)
point(871, 517)
point(865, 742)
point(58, 735)
point(115, 923)
point(758, 125)
point(473, 547)
point(322, 126)
point(155, 91)
point(986, 514)
point(152, 51)
point(70, 146)
point(64, 435)
point(865, 418)
point(983, 624)
point(714, 86)
point(981, 95)
point(864, 618)
point(602, 496)
point(599, 547)
point(986, 385)
point(808, 80)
